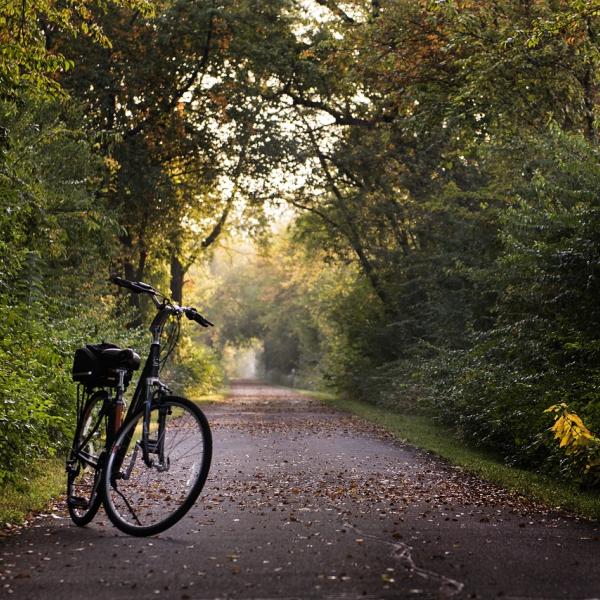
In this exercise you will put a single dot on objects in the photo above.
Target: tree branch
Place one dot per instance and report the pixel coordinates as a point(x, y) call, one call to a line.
point(317, 212)
point(185, 87)
point(218, 227)
point(336, 10)
point(339, 117)
point(352, 234)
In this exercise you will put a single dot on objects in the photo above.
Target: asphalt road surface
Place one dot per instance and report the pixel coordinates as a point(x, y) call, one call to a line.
point(303, 502)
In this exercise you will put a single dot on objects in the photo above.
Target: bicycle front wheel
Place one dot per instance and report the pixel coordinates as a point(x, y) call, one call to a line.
point(144, 497)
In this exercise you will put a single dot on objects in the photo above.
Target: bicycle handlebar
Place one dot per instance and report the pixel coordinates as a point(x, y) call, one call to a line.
point(139, 287)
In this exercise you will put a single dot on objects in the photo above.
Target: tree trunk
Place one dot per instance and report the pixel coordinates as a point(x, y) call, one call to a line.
point(134, 299)
point(177, 275)
point(133, 272)
point(589, 91)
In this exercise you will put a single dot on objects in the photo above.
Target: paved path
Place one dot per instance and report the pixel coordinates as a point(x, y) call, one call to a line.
point(303, 502)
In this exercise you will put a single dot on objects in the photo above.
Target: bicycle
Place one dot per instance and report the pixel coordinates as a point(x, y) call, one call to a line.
point(148, 467)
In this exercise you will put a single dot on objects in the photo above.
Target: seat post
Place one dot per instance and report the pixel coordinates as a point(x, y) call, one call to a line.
point(119, 402)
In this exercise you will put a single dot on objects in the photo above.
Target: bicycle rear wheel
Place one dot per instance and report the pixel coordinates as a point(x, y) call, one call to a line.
point(83, 466)
point(142, 499)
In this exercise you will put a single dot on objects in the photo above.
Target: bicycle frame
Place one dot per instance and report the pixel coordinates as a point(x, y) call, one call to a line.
point(147, 387)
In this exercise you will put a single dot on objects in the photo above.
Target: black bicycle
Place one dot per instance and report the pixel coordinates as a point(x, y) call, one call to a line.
point(149, 466)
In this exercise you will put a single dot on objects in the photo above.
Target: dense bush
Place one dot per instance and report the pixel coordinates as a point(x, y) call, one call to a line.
point(35, 408)
point(544, 347)
point(195, 369)
point(37, 395)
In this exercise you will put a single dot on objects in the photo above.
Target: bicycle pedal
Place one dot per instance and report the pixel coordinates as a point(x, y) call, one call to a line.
point(77, 502)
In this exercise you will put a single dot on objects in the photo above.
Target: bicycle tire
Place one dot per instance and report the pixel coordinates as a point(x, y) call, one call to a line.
point(144, 500)
point(83, 467)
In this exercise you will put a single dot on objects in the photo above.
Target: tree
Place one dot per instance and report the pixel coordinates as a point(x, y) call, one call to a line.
point(184, 129)
point(28, 60)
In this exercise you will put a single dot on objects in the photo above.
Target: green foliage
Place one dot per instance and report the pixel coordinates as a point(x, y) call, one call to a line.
point(442, 157)
point(33, 390)
point(37, 396)
point(54, 236)
point(543, 347)
point(28, 59)
point(196, 369)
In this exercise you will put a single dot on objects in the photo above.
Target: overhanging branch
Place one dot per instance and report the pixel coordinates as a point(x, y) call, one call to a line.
point(339, 117)
point(337, 10)
point(185, 87)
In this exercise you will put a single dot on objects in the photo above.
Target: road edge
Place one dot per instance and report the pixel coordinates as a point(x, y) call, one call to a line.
point(422, 433)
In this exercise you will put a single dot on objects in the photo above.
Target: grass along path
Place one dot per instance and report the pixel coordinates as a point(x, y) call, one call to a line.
point(33, 491)
point(422, 432)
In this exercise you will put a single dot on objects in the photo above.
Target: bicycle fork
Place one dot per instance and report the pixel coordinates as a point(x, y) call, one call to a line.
point(154, 445)
point(146, 445)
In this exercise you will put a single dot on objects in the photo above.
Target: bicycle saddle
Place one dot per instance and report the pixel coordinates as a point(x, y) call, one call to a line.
point(120, 358)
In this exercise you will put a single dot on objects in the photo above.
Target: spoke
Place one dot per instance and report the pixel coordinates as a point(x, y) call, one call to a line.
point(129, 507)
point(190, 450)
point(92, 432)
point(178, 431)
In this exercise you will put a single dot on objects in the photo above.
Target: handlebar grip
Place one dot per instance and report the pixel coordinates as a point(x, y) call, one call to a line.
point(194, 315)
point(125, 283)
point(137, 287)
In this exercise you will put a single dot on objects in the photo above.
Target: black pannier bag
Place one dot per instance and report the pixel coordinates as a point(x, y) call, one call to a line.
point(94, 369)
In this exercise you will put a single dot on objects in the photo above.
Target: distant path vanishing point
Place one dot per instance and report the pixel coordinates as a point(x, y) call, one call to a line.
point(305, 502)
